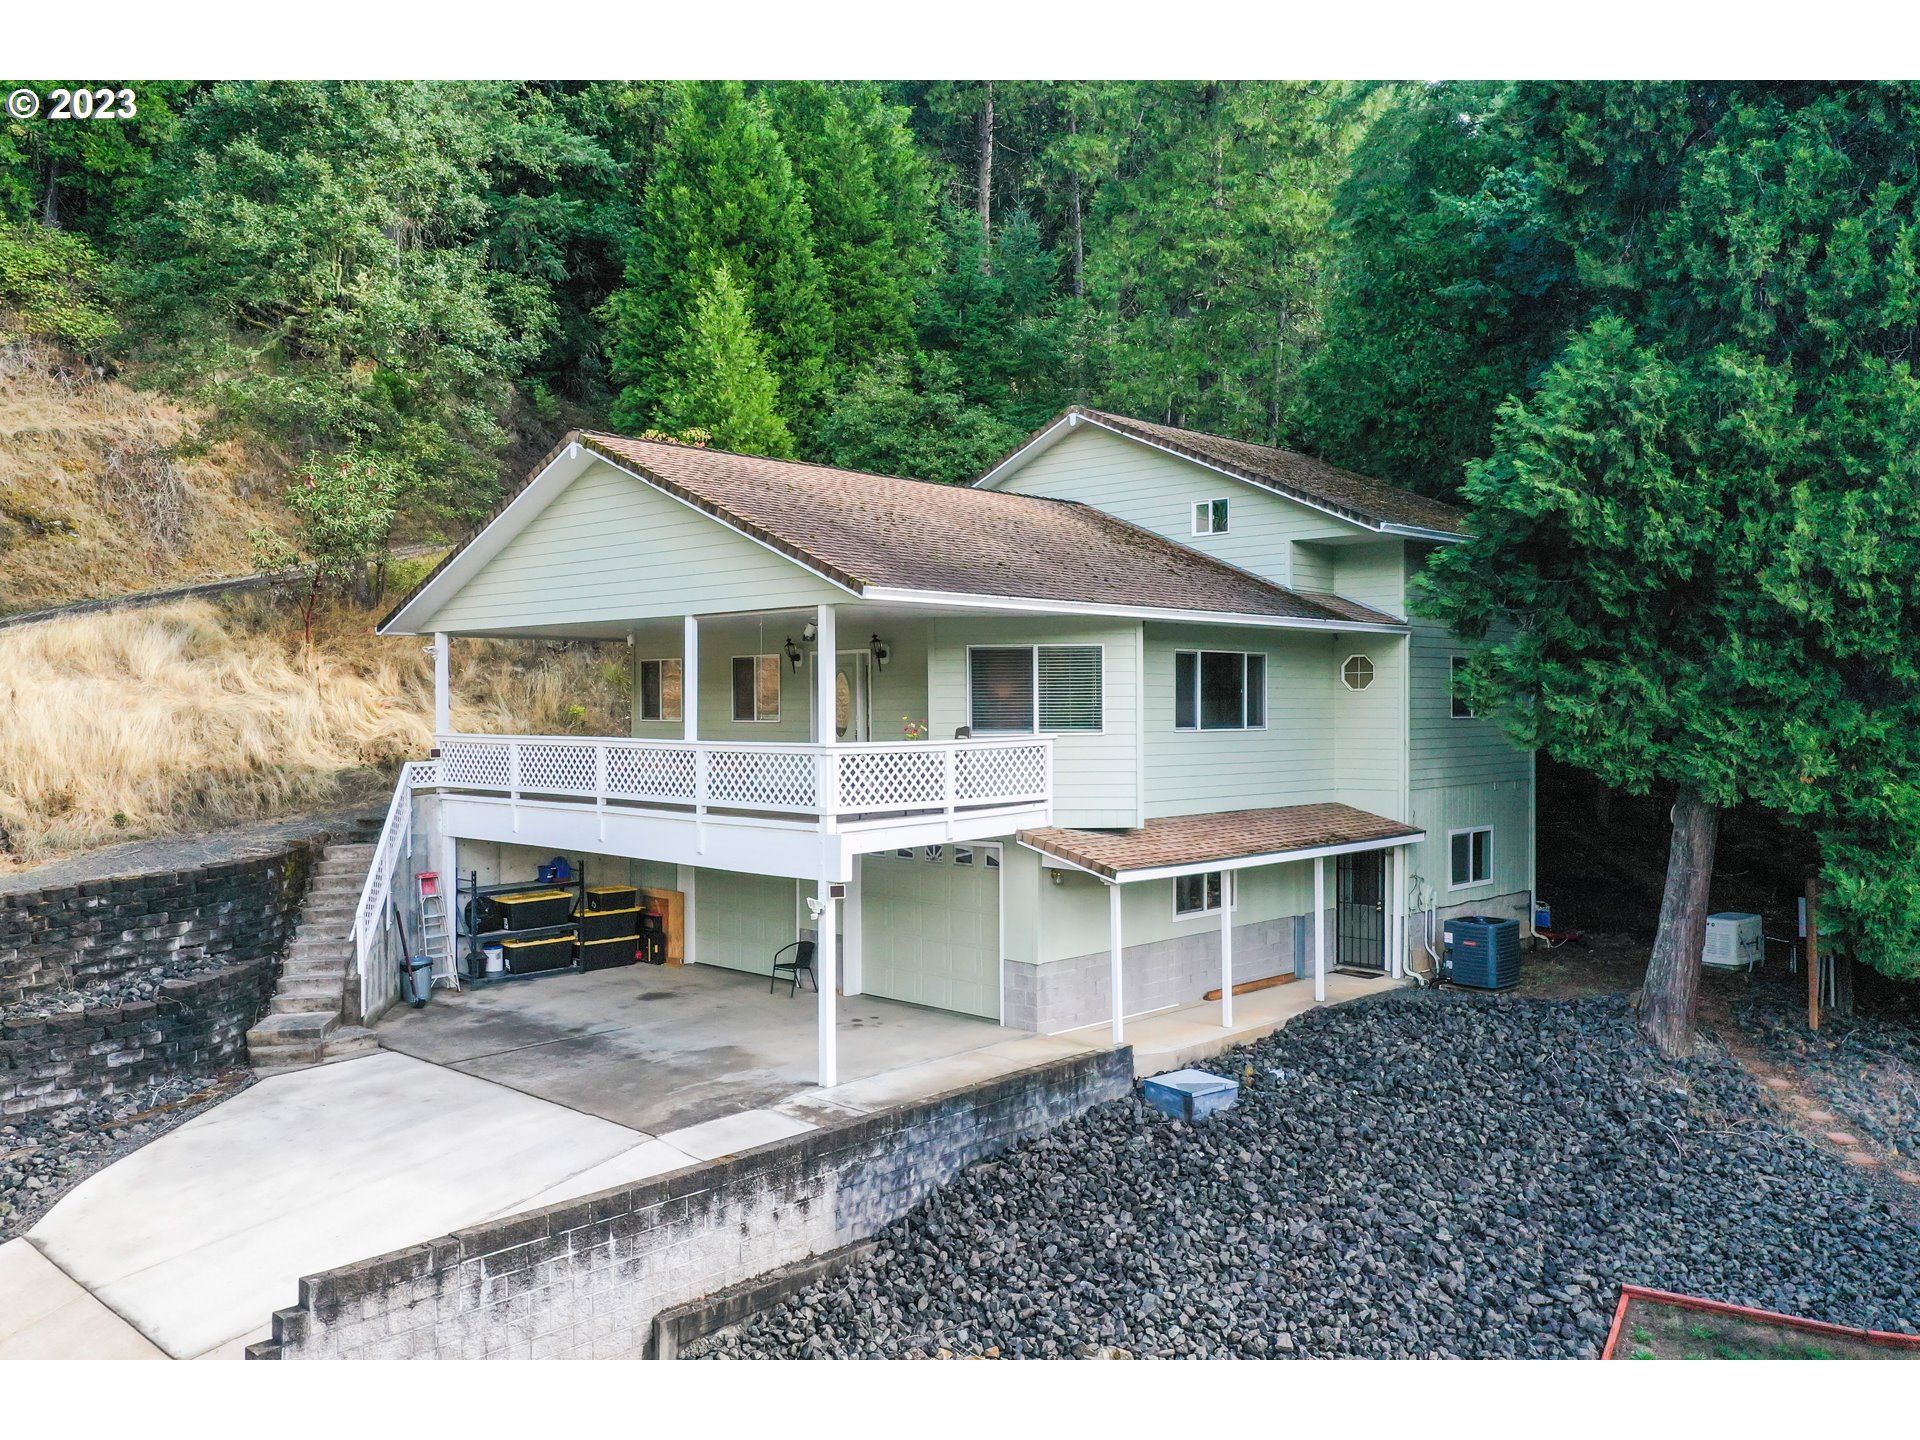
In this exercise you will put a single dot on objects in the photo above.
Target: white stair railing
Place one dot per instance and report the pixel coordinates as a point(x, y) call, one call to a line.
point(395, 844)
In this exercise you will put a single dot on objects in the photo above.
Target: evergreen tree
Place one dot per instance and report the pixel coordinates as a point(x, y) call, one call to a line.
point(722, 189)
point(1448, 291)
point(86, 176)
point(991, 310)
point(1704, 525)
point(867, 191)
point(1207, 249)
point(718, 379)
point(902, 417)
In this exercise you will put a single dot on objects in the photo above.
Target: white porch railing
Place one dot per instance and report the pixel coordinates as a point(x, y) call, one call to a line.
point(394, 845)
point(828, 783)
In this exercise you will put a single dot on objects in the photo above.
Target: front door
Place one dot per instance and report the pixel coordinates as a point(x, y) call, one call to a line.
point(1360, 912)
point(850, 721)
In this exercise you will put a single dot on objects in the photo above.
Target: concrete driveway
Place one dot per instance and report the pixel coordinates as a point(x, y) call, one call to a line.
point(196, 1239)
point(659, 1048)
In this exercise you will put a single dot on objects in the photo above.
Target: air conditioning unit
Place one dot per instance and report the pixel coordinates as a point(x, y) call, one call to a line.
point(1483, 951)
point(1735, 941)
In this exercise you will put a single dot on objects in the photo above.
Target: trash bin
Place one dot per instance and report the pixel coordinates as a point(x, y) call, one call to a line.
point(416, 980)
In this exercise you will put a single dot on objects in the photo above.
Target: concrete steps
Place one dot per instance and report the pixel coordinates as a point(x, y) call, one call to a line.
point(304, 1024)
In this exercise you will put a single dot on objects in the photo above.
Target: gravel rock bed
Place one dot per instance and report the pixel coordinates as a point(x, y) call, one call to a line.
point(1866, 1067)
point(42, 1157)
point(1418, 1175)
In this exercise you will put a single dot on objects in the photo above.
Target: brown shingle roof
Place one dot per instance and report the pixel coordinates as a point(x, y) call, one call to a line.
point(879, 530)
point(1372, 502)
point(1213, 837)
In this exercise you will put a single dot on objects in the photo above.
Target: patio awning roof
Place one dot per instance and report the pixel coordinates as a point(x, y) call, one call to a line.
point(1219, 840)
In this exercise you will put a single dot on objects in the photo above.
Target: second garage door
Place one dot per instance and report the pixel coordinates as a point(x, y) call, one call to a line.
point(930, 927)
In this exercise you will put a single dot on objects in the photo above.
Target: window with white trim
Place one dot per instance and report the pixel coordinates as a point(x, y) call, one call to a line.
point(1219, 690)
point(1021, 689)
point(1210, 517)
point(660, 690)
point(1455, 671)
point(1469, 857)
point(756, 687)
point(1198, 894)
point(1357, 672)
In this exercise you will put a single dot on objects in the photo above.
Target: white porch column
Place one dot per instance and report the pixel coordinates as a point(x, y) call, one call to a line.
point(1396, 909)
point(850, 922)
point(1319, 929)
point(827, 658)
point(690, 677)
point(824, 976)
point(1113, 956)
point(442, 688)
point(1226, 949)
point(683, 878)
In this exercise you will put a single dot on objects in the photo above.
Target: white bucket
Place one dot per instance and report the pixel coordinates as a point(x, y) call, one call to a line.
point(496, 959)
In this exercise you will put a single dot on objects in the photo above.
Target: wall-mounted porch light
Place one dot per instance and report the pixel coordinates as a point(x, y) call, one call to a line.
point(809, 631)
point(794, 655)
point(881, 651)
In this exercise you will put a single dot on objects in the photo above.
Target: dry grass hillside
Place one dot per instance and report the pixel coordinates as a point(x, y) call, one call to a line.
point(105, 490)
point(194, 715)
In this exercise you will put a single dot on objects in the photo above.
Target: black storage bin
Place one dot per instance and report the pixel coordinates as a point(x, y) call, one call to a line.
point(531, 909)
point(608, 924)
point(606, 954)
point(653, 939)
point(612, 897)
point(548, 952)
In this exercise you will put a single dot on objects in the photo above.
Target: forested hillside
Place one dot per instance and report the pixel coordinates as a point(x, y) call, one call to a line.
point(902, 277)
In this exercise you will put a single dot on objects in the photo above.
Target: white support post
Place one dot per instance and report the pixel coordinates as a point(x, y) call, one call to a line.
point(690, 677)
point(851, 978)
point(1226, 950)
point(1113, 956)
point(442, 686)
point(826, 660)
point(1396, 909)
point(824, 976)
point(684, 878)
point(1319, 929)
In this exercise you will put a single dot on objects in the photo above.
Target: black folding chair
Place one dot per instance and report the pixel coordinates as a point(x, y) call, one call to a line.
point(801, 964)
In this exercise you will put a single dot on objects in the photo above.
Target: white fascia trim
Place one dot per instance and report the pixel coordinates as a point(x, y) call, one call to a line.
point(487, 545)
point(896, 595)
point(1243, 862)
point(1418, 532)
point(541, 491)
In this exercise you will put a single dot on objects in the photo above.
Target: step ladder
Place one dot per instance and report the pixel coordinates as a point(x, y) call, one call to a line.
point(436, 941)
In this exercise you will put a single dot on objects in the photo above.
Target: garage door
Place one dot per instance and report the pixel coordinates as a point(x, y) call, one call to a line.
point(930, 927)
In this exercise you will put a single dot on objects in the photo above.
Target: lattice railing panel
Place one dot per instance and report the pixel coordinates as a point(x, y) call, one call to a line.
point(476, 764)
point(646, 773)
point(556, 768)
point(907, 778)
point(763, 779)
point(1000, 772)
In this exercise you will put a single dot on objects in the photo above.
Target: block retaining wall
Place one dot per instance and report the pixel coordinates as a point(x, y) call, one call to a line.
point(195, 1025)
point(585, 1278)
point(77, 935)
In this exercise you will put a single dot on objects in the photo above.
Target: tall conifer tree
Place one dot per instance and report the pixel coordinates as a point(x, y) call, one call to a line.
point(718, 379)
point(722, 189)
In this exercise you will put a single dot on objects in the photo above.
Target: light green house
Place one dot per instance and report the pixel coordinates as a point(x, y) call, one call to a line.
point(1139, 716)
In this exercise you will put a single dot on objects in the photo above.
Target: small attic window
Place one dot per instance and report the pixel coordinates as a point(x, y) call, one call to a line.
point(1210, 517)
point(1357, 672)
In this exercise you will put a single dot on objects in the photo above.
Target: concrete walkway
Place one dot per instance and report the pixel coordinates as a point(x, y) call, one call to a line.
point(46, 1316)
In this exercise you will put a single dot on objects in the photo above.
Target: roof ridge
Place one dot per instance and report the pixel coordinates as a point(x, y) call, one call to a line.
point(771, 459)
